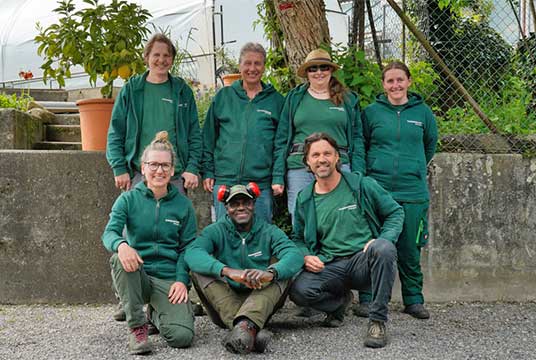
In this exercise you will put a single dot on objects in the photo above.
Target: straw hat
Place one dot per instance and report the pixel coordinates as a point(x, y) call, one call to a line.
point(316, 57)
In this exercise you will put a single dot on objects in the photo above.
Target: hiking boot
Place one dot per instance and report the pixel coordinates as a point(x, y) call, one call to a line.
point(306, 312)
point(361, 309)
point(376, 334)
point(417, 311)
point(151, 328)
point(119, 314)
point(336, 318)
point(262, 340)
point(138, 341)
point(241, 340)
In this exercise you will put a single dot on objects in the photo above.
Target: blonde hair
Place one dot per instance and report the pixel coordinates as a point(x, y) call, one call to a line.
point(160, 143)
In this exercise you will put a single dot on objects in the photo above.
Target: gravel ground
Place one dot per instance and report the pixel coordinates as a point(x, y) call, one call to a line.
point(455, 331)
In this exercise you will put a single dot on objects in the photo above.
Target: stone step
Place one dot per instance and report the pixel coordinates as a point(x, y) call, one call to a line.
point(62, 133)
point(59, 106)
point(66, 119)
point(40, 94)
point(56, 145)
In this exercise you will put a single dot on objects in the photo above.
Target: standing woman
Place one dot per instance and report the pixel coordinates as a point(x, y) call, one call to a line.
point(400, 134)
point(148, 264)
point(149, 103)
point(321, 104)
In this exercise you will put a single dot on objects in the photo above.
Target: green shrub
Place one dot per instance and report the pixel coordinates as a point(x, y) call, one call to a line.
point(15, 102)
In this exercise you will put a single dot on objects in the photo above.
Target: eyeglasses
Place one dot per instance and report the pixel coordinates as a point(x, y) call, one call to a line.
point(315, 68)
point(153, 166)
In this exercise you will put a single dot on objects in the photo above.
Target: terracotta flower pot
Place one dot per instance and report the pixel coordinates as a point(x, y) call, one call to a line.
point(95, 117)
point(230, 78)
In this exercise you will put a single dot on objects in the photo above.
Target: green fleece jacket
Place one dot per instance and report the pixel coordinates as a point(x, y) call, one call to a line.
point(159, 230)
point(400, 141)
point(125, 126)
point(220, 245)
point(238, 136)
point(286, 131)
point(384, 216)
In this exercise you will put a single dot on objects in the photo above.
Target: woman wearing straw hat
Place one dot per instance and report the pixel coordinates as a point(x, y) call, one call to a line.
point(321, 104)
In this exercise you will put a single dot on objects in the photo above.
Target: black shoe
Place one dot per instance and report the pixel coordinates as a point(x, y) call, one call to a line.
point(417, 311)
point(119, 314)
point(241, 340)
point(262, 340)
point(198, 309)
point(376, 334)
point(306, 312)
point(361, 309)
point(336, 318)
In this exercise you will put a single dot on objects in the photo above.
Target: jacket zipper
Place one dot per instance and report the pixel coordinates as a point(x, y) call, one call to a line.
point(243, 251)
point(155, 228)
point(396, 160)
point(244, 144)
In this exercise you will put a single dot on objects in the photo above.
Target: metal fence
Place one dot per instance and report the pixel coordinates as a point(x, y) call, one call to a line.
point(490, 48)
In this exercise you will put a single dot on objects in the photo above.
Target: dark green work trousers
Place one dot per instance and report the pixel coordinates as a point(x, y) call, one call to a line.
point(224, 304)
point(413, 237)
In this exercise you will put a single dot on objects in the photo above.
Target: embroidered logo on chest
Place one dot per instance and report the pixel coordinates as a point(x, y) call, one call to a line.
point(416, 123)
point(269, 113)
point(338, 108)
point(348, 207)
point(255, 254)
point(174, 222)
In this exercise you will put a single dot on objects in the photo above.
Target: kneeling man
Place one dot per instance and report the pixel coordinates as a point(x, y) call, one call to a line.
point(346, 226)
point(234, 271)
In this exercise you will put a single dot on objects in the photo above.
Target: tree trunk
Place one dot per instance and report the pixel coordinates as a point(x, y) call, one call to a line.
point(304, 27)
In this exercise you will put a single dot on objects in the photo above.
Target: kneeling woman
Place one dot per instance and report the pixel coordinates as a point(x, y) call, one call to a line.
point(148, 265)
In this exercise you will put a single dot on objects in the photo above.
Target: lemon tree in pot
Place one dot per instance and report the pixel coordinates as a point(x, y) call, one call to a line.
point(107, 42)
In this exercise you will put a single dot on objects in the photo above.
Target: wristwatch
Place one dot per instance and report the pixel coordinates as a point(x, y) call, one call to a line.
point(274, 272)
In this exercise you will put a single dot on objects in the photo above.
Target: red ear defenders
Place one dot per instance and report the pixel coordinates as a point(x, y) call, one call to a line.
point(252, 189)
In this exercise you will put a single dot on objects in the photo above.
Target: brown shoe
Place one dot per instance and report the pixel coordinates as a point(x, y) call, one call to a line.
point(138, 341)
point(241, 340)
point(376, 334)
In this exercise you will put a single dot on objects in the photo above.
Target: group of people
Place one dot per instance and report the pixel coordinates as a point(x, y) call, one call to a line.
point(355, 182)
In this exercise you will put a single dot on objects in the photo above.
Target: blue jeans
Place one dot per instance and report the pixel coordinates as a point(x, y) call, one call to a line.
point(373, 270)
point(263, 204)
point(297, 180)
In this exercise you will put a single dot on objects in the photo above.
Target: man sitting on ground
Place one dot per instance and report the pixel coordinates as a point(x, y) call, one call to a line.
point(233, 270)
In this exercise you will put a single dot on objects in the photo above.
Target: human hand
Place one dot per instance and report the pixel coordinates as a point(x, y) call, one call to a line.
point(191, 181)
point(122, 181)
point(313, 263)
point(233, 274)
point(178, 293)
point(255, 278)
point(130, 259)
point(278, 189)
point(208, 185)
point(367, 245)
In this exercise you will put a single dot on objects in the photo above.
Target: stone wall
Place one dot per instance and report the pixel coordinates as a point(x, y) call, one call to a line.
point(54, 206)
point(19, 130)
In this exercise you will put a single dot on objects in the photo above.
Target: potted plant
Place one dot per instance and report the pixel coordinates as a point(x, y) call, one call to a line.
point(229, 71)
point(107, 41)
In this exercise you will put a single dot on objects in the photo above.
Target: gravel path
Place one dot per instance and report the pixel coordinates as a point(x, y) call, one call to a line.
point(455, 331)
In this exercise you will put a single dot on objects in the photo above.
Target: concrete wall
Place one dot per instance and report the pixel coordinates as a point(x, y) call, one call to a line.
point(54, 206)
point(19, 130)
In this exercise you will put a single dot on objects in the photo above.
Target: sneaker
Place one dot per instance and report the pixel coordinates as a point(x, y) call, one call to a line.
point(417, 311)
point(262, 340)
point(361, 309)
point(151, 328)
point(306, 312)
point(376, 334)
point(119, 314)
point(138, 341)
point(336, 318)
point(241, 340)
